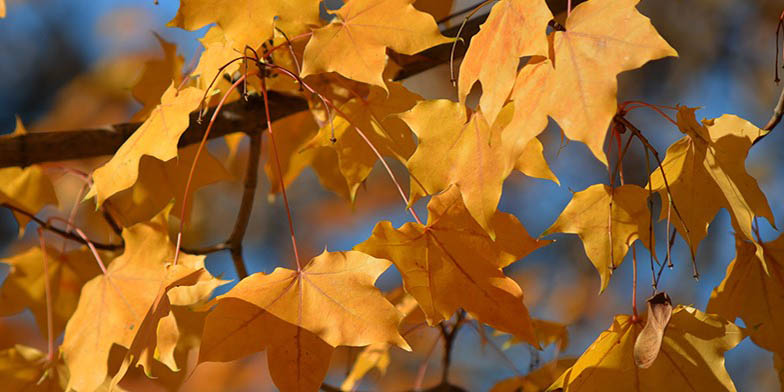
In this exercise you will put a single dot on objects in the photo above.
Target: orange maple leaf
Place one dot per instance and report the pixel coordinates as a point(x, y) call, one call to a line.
point(452, 263)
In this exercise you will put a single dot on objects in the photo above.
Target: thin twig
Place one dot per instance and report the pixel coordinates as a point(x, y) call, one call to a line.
point(70, 234)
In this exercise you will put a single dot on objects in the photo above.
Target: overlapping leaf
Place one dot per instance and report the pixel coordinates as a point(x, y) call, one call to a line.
point(160, 182)
point(332, 296)
point(453, 251)
point(157, 137)
point(472, 155)
point(754, 295)
point(537, 380)
point(691, 357)
point(24, 286)
point(354, 44)
point(158, 74)
point(115, 306)
point(248, 22)
point(706, 171)
point(608, 221)
point(514, 28)
point(602, 38)
point(373, 116)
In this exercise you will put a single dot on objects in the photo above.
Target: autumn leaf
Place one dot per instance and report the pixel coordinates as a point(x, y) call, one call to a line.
point(691, 358)
point(376, 356)
point(532, 163)
point(157, 137)
point(588, 215)
point(438, 8)
point(514, 28)
point(754, 295)
point(453, 251)
point(159, 183)
point(298, 359)
point(373, 115)
point(29, 189)
point(354, 43)
point(295, 153)
point(332, 296)
point(114, 306)
point(470, 155)
point(2, 8)
point(24, 287)
point(706, 171)
point(547, 333)
point(24, 368)
point(248, 22)
point(602, 38)
point(537, 380)
point(158, 74)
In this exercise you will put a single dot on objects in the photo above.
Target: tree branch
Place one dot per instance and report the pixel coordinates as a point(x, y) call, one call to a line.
point(246, 205)
point(37, 147)
point(63, 233)
point(778, 111)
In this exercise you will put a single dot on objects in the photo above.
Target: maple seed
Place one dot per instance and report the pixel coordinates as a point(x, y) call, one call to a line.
point(648, 343)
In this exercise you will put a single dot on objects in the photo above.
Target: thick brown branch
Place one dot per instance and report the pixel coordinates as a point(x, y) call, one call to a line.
point(38, 147)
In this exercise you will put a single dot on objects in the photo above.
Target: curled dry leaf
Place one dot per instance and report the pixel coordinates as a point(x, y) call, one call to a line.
point(648, 343)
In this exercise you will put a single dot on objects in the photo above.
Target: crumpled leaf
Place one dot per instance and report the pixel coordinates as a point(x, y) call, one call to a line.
point(453, 251)
point(158, 74)
point(691, 358)
point(24, 286)
point(473, 155)
point(648, 342)
point(755, 296)
point(373, 116)
point(29, 189)
point(354, 44)
point(537, 380)
point(248, 22)
point(115, 307)
point(337, 284)
point(157, 137)
point(588, 215)
point(160, 182)
point(298, 359)
point(602, 39)
point(706, 171)
point(514, 28)
point(376, 356)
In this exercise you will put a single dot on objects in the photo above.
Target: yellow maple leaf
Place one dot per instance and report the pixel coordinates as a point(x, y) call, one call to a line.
point(514, 28)
point(332, 296)
point(248, 22)
point(754, 295)
point(706, 171)
point(453, 251)
point(2, 8)
point(157, 137)
point(354, 44)
point(376, 356)
point(24, 287)
point(115, 306)
point(588, 215)
point(474, 156)
point(158, 74)
point(537, 380)
point(602, 38)
point(532, 163)
point(24, 368)
point(296, 152)
point(691, 357)
point(373, 115)
point(160, 182)
point(298, 359)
